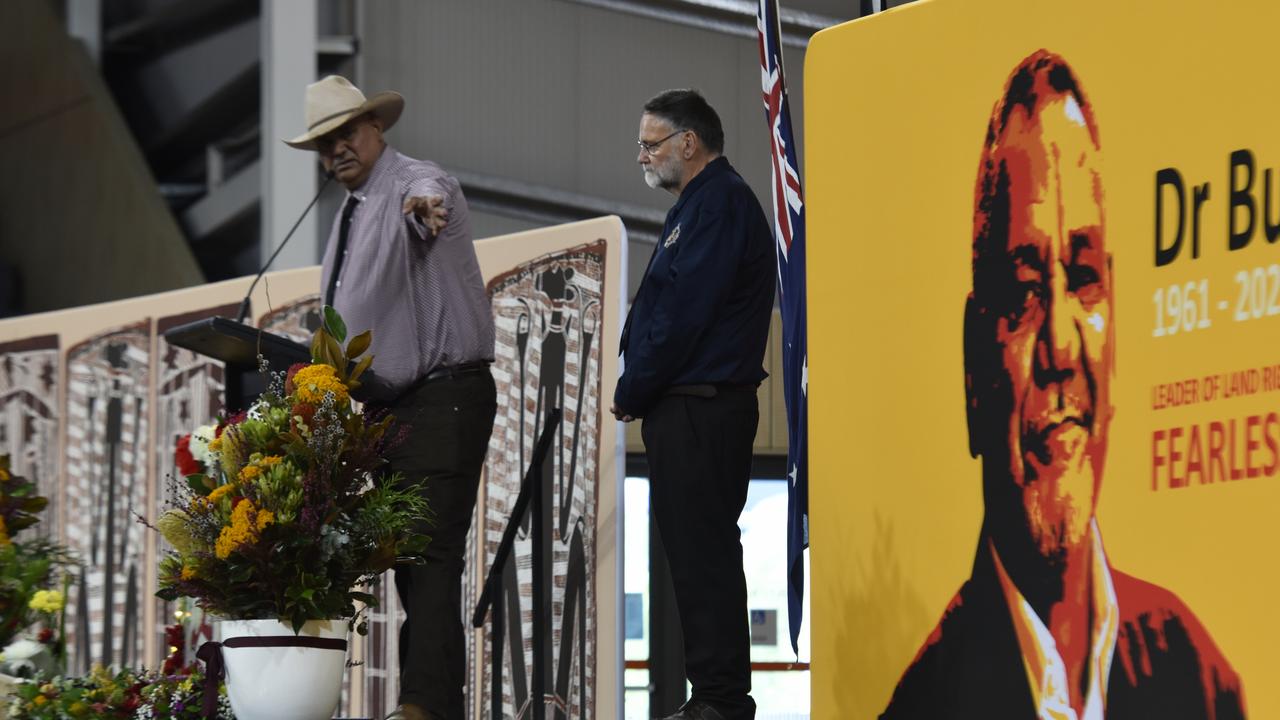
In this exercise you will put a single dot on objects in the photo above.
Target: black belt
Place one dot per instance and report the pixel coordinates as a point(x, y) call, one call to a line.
point(709, 390)
point(449, 371)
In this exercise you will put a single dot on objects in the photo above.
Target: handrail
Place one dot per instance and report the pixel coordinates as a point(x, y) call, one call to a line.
point(529, 493)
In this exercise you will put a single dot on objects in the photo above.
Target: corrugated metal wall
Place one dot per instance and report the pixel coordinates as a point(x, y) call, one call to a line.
point(550, 92)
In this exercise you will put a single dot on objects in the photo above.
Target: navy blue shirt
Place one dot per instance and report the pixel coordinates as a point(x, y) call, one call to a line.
point(701, 315)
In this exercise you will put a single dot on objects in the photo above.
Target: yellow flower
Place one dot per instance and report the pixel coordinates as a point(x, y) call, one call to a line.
point(4, 475)
point(215, 444)
point(46, 601)
point(188, 572)
point(270, 460)
point(265, 518)
point(219, 491)
point(40, 700)
point(241, 531)
point(249, 472)
point(4, 533)
point(312, 382)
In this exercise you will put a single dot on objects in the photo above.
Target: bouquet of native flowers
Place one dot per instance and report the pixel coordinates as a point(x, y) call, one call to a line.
point(123, 695)
point(291, 514)
point(33, 582)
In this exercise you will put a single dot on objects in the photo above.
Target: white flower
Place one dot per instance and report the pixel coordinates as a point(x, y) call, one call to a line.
point(258, 410)
point(27, 658)
point(199, 447)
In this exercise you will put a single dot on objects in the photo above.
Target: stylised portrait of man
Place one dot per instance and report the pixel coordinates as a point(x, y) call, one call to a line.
point(1045, 627)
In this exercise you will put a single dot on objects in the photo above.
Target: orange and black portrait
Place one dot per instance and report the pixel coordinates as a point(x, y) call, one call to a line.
point(1045, 626)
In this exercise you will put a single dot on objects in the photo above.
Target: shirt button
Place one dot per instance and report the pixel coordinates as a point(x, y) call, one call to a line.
point(338, 284)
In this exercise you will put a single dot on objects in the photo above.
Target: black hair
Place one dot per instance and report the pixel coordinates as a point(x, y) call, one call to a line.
point(688, 110)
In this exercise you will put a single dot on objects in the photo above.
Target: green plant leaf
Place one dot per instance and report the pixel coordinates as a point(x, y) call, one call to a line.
point(317, 346)
point(359, 344)
point(360, 368)
point(334, 356)
point(334, 324)
point(200, 484)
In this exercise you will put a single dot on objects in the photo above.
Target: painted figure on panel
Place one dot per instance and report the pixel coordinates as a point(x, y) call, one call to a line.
point(1045, 627)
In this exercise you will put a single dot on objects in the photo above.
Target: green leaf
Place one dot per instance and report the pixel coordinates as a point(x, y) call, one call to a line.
point(333, 356)
point(200, 484)
point(317, 346)
point(359, 369)
point(359, 344)
point(334, 324)
point(34, 504)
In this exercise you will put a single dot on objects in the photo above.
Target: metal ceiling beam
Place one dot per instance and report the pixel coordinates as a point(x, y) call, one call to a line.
point(551, 206)
point(732, 17)
point(225, 203)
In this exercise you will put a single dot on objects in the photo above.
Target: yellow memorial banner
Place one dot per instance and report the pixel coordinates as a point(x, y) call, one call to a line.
point(1044, 293)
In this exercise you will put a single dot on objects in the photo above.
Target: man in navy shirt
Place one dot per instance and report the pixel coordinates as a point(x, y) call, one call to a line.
point(693, 349)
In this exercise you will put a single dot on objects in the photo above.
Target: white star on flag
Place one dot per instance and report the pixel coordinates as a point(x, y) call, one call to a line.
point(804, 376)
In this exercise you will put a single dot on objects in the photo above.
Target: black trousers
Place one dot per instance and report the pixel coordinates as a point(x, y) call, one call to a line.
point(448, 422)
point(699, 452)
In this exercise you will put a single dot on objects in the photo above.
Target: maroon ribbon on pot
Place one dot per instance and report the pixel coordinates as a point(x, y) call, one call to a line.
point(215, 669)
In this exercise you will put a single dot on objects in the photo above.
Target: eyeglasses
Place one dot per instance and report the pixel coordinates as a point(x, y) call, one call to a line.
point(648, 148)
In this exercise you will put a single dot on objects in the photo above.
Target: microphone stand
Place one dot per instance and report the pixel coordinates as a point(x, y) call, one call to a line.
point(244, 304)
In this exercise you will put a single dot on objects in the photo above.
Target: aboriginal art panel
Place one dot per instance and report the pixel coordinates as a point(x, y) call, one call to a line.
point(29, 415)
point(104, 486)
point(296, 320)
point(547, 316)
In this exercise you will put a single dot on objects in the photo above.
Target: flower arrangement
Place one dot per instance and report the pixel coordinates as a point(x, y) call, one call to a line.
point(289, 512)
point(30, 570)
point(104, 695)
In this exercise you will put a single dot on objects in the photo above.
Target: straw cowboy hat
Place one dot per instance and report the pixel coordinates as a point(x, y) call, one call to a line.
point(334, 100)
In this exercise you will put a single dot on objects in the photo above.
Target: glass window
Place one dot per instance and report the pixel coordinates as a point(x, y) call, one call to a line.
point(780, 694)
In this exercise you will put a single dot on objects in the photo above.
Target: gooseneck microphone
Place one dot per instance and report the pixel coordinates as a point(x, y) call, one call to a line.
point(244, 304)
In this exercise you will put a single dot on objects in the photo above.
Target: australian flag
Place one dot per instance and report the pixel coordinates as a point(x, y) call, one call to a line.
point(788, 226)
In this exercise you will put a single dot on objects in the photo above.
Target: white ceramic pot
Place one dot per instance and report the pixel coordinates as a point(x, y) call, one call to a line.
point(283, 683)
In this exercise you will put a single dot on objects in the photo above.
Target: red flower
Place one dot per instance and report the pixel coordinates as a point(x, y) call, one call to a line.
point(45, 636)
point(187, 464)
point(288, 379)
point(306, 411)
point(175, 638)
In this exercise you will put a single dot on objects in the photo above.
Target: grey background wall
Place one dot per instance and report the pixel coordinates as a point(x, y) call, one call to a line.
point(549, 93)
point(134, 128)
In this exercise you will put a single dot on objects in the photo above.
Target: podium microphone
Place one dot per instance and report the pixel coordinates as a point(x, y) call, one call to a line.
point(244, 304)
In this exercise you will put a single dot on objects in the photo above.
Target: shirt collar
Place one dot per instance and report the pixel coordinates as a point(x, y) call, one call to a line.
point(1045, 668)
point(380, 168)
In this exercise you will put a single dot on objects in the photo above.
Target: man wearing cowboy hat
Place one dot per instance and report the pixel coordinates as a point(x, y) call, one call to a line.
point(400, 261)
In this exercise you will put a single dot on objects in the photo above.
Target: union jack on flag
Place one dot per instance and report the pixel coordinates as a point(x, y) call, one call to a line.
point(788, 213)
